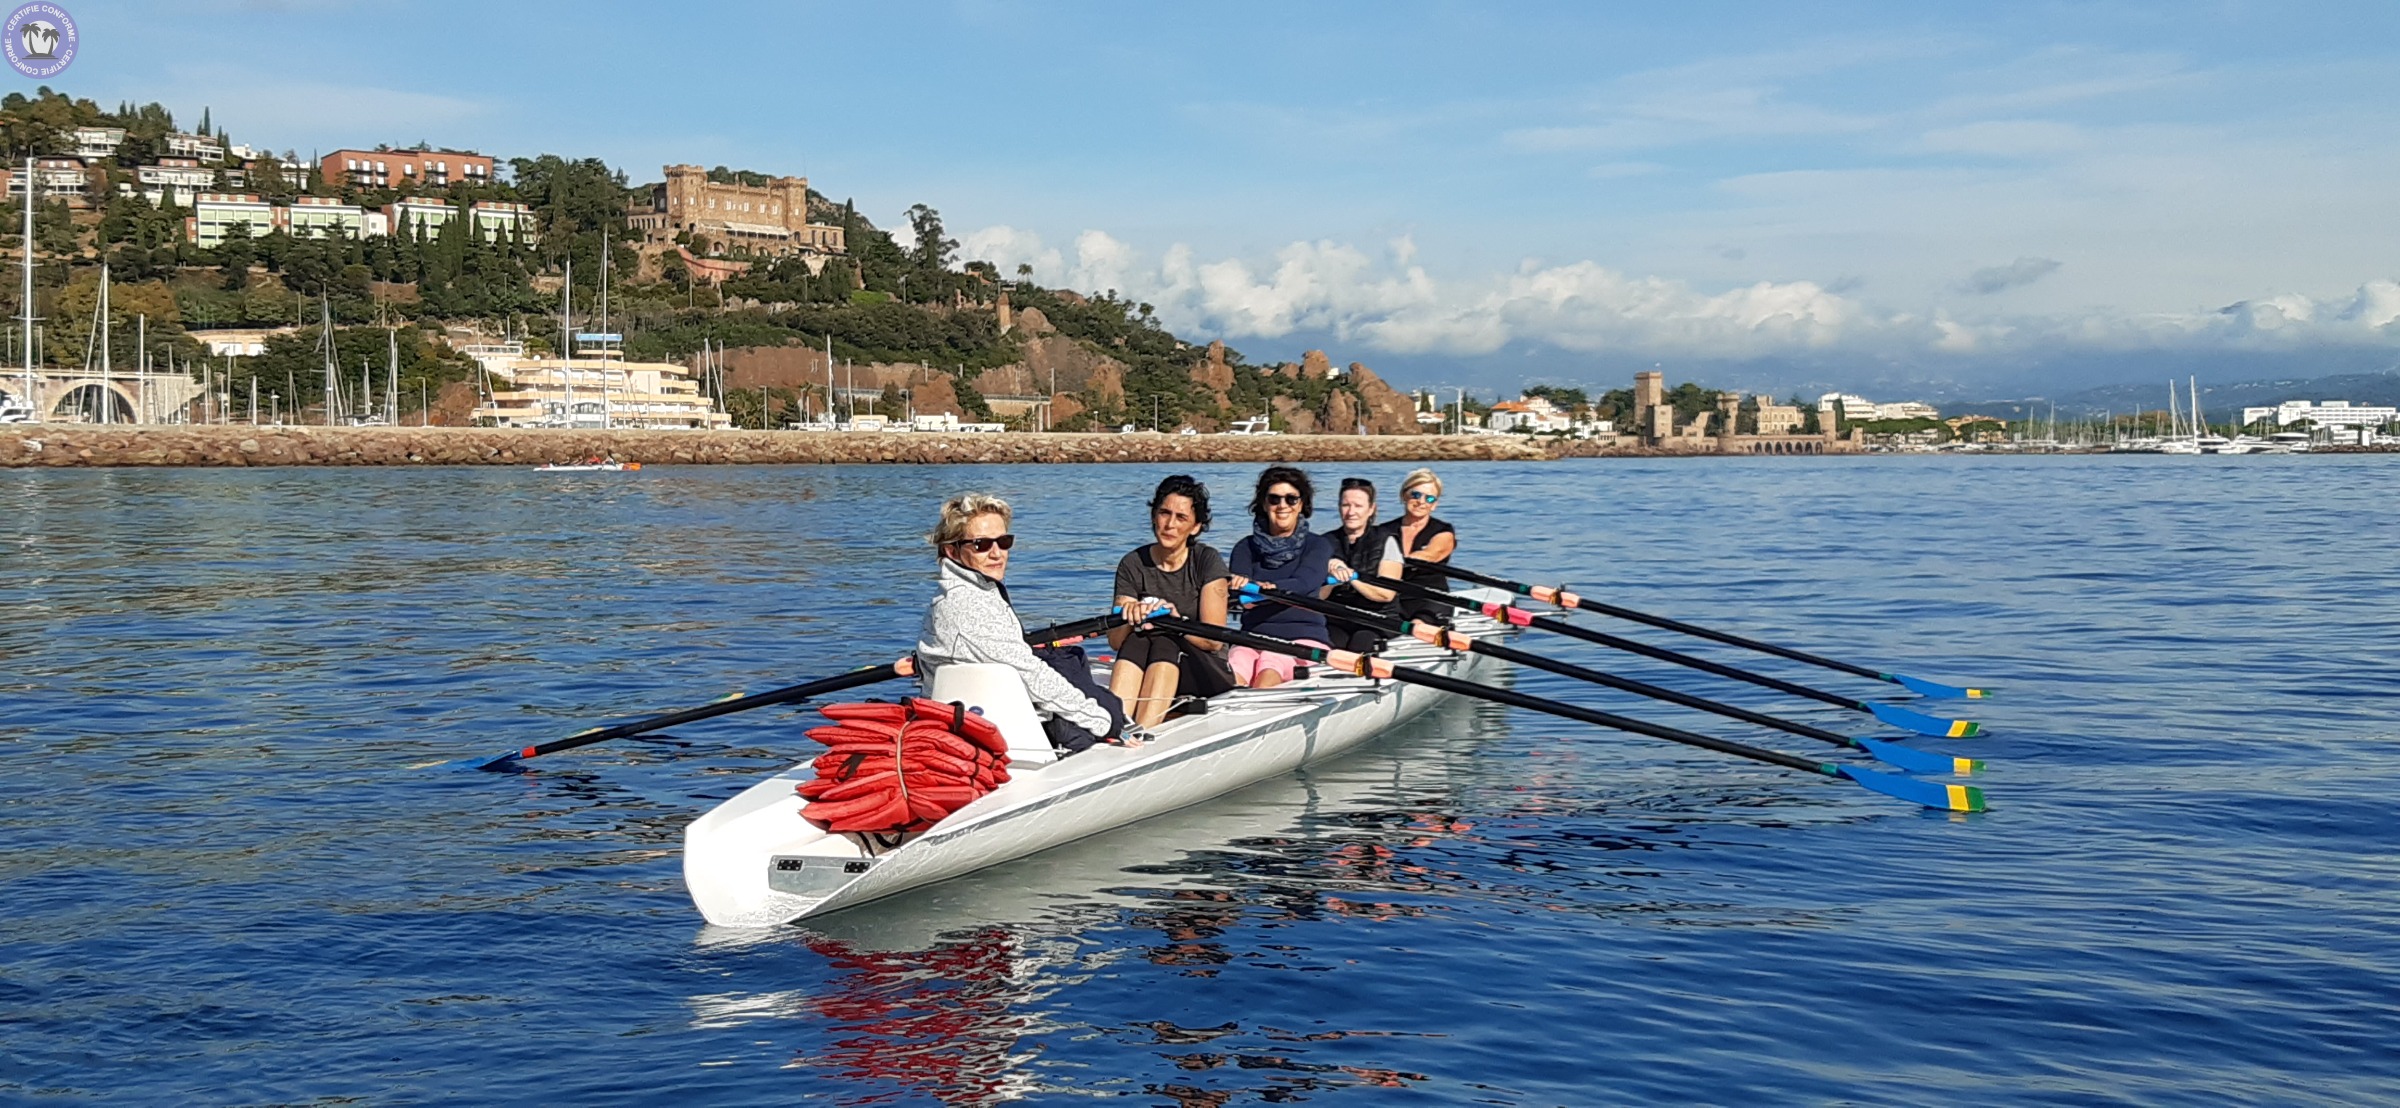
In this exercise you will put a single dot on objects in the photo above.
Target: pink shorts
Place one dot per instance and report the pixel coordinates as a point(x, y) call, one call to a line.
point(1248, 662)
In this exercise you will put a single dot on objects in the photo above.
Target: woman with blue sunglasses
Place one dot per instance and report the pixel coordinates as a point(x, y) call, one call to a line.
point(1423, 538)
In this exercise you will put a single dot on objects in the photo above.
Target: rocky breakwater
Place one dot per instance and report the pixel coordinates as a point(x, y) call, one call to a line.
point(29, 445)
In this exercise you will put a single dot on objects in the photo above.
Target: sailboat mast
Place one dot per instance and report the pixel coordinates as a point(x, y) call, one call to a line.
point(566, 337)
point(607, 414)
point(333, 385)
point(105, 369)
point(30, 190)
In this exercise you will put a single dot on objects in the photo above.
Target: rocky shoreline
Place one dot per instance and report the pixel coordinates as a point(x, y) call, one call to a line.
point(59, 445)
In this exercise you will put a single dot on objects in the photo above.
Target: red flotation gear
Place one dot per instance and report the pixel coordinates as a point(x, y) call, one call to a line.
point(901, 767)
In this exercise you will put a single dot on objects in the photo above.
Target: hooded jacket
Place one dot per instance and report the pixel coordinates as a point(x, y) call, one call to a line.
point(972, 622)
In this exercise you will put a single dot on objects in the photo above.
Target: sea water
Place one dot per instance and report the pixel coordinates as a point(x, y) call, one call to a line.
point(228, 873)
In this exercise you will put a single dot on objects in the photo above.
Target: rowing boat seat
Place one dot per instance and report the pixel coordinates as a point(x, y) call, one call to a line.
point(999, 694)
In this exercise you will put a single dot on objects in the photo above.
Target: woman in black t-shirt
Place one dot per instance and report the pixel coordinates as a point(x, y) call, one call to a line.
point(1178, 575)
point(1423, 538)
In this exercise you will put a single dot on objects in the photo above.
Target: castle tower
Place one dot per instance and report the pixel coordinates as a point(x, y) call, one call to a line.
point(1652, 419)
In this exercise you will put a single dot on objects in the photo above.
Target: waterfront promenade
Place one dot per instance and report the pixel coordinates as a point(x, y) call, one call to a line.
point(69, 444)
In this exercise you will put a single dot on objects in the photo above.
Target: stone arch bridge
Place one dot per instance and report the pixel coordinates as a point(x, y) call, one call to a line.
point(74, 396)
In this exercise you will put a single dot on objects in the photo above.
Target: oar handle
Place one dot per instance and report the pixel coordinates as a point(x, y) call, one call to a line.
point(1565, 599)
point(1376, 667)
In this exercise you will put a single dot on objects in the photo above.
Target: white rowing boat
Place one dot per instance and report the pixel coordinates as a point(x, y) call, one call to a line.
point(754, 862)
point(587, 467)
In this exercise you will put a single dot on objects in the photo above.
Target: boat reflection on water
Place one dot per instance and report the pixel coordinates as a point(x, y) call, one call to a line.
point(937, 991)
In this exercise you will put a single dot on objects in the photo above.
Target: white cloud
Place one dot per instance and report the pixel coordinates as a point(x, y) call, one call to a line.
point(1394, 304)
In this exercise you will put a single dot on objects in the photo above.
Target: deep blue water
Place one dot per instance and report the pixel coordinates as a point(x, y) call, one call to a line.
point(226, 877)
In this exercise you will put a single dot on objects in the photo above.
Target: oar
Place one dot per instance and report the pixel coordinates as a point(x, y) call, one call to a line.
point(1917, 722)
point(1950, 798)
point(904, 667)
point(1565, 599)
point(1914, 761)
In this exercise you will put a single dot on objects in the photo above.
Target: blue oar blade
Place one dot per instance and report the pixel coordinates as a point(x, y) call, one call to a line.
point(1942, 798)
point(1917, 761)
point(1936, 689)
point(1922, 724)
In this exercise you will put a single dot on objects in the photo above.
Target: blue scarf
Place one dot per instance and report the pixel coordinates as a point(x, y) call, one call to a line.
point(1274, 552)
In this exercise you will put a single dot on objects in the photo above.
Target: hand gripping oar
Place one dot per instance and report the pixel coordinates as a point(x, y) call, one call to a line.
point(1950, 798)
point(1914, 761)
point(904, 667)
point(1893, 714)
point(1565, 599)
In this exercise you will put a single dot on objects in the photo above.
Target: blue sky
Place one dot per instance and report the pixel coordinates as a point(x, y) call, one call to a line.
point(1852, 194)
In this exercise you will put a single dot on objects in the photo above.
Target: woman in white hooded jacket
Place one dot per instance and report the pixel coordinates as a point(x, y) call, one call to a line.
point(972, 622)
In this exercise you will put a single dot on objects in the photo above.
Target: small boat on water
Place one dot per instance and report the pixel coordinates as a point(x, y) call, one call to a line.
point(588, 467)
point(754, 862)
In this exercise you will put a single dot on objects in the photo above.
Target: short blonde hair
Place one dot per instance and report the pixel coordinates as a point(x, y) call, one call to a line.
point(961, 510)
point(1420, 477)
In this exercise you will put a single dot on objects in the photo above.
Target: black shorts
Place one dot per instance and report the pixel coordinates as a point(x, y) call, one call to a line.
point(1201, 673)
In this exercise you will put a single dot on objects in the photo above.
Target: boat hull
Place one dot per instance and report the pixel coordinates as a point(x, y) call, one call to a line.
point(754, 862)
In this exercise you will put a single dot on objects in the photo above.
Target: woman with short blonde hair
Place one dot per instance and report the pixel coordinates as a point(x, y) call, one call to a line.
point(1423, 538)
point(972, 622)
point(959, 510)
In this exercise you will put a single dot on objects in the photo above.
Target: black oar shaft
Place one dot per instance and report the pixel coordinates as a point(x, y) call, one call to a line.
point(1413, 676)
point(1389, 625)
point(1631, 646)
point(1585, 603)
point(803, 691)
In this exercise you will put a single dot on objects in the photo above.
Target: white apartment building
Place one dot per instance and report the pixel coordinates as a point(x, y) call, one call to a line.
point(197, 147)
point(215, 213)
point(323, 216)
point(502, 218)
point(172, 178)
point(96, 142)
point(410, 215)
point(54, 177)
point(2323, 413)
point(1856, 408)
point(1532, 413)
point(550, 392)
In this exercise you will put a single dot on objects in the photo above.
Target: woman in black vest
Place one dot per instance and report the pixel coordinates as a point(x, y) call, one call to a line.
point(1361, 545)
point(1423, 538)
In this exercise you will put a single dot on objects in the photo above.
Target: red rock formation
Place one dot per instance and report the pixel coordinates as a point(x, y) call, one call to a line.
point(1295, 419)
point(1315, 366)
point(1212, 373)
point(1386, 410)
point(1341, 414)
point(936, 396)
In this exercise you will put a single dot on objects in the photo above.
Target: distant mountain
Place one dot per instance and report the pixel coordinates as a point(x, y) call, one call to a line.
point(2220, 402)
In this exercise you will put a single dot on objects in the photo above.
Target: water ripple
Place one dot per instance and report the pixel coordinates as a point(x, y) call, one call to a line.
point(234, 873)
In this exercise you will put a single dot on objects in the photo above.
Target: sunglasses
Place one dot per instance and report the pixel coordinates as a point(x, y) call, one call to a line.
point(1428, 497)
point(1283, 498)
point(984, 546)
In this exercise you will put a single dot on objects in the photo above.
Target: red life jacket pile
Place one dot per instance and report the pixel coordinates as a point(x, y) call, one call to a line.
point(901, 767)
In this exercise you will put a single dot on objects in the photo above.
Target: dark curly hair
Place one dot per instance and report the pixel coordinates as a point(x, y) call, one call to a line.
point(1189, 488)
point(1284, 475)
